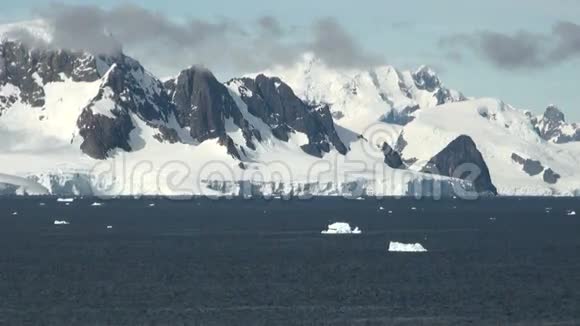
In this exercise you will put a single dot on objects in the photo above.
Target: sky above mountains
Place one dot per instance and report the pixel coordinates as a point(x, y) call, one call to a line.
point(526, 52)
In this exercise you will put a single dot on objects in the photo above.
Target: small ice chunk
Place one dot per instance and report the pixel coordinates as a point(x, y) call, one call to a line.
point(42, 204)
point(14, 213)
point(341, 228)
point(95, 204)
point(109, 227)
point(413, 208)
point(381, 208)
point(571, 213)
point(65, 200)
point(57, 222)
point(151, 205)
point(406, 247)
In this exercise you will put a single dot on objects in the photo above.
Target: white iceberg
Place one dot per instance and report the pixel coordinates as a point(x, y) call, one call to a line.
point(109, 227)
point(571, 213)
point(14, 213)
point(65, 200)
point(341, 228)
point(95, 204)
point(406, 247)
point(57, 222)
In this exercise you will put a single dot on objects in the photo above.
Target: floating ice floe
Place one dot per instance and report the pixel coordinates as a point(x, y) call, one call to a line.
point(96, 204)
point(406, 247)
point(109, 227)
point(57, 222)
point(571, 213)
point(381, 208)
point(413, 208)
point(341, 228)
point(14, 213)
point(65, 200)
point(42, 204)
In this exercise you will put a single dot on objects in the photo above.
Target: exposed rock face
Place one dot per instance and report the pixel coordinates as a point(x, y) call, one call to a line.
point(204, 105)
point(392, 158)
point(106, 123)
point(551, 177)
point(402, 117)
point(102, 134)
point(458, 159)
point(30, 69)
point(275, 103)
point(531, 167)
point(426, 79)
point(552, 126)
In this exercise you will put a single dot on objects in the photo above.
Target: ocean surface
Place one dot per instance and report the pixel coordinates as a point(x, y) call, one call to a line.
point(255, 262)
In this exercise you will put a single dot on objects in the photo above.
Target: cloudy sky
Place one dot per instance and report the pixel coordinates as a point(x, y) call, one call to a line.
point(526, 52)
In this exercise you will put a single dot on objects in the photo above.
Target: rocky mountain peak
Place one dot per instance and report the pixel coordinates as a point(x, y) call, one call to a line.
point(202, 103)
point(552, 126)
point(274, 102)
point(554, 114)
point(426, 78)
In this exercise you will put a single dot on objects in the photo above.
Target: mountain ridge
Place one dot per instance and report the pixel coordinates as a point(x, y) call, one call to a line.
point(307, 116)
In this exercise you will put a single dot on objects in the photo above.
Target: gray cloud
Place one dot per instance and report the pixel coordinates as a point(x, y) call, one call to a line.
point(166, 45)
point(520, 50)
point(568, 36)
point(271, 26)
point(335, 45)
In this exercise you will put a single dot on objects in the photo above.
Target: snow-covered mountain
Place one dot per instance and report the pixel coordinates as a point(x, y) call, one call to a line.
point(552, 126)
point(76, 123)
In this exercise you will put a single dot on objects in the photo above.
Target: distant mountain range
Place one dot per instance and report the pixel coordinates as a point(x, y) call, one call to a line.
point(73, 123)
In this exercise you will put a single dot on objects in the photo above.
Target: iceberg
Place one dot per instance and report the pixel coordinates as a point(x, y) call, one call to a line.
point(95, 204)
point(571, 213)
point(57, 222)
point(341, 228)
point(65, 200)
point(404, 247)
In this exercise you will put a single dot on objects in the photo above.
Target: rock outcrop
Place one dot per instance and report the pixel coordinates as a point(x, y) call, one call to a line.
point(274, 102)
point(461, 159)
point(552, 126)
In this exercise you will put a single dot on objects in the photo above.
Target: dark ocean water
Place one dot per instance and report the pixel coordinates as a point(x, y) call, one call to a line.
point(240, 262)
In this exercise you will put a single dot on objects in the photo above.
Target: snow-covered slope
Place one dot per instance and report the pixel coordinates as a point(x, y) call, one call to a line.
point(12, 185)
point(507, 140)
point(360, 98)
